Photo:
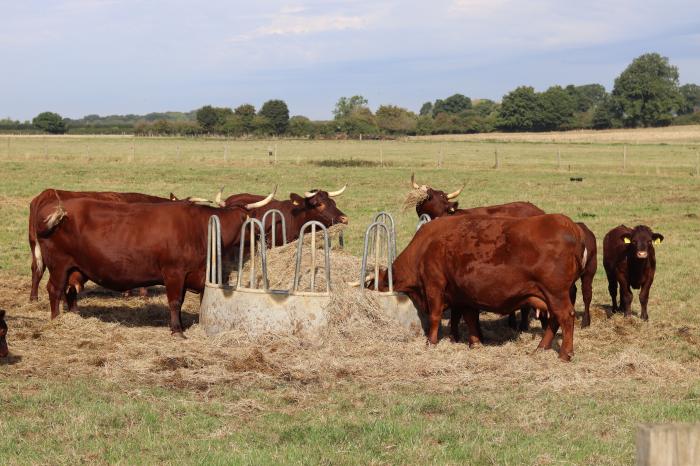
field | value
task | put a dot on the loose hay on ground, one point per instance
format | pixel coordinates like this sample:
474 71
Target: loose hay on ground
108 340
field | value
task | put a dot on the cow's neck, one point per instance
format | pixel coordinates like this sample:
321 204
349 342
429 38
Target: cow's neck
636 267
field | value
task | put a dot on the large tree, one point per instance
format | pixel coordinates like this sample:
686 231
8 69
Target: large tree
454 104
555 109
586 96
396 120
690 94
347 105
50 122
277 112
647 91
519 110
246 113
212 118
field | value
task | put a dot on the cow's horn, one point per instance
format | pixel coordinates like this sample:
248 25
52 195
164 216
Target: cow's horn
309 194
217 199
263 202
456 193
338 192
413 181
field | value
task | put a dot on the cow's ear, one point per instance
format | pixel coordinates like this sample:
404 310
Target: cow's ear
173 197
658 238
296 199
626 239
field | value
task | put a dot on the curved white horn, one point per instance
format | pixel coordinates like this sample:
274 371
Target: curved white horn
263 202
413 181
338 192
217 199
456 193
309 194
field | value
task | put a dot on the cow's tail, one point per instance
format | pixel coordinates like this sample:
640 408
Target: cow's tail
37 256
584 258
53 219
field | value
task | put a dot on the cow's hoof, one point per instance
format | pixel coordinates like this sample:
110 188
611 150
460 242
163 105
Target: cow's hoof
475 345
566 357
179 334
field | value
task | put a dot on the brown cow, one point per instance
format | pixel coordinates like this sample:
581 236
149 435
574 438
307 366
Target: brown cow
121 246
630 260
495 264
3 335
436 203
50 196
315 205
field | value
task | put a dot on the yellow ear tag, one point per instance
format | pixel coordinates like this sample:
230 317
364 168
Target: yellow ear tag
626 240
657 241
295 203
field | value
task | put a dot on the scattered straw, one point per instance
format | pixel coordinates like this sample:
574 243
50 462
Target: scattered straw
415 197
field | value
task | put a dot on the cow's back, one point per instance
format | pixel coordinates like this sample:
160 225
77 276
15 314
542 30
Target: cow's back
511 209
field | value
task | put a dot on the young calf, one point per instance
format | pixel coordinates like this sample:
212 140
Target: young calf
629 259
3 335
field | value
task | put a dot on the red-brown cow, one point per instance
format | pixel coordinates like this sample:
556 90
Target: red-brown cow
630 260
50 196
438 204
314 205
121 246
3 335
494 264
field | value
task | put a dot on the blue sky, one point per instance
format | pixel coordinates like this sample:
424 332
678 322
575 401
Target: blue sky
78 57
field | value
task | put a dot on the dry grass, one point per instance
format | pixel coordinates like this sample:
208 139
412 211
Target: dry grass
667 135
126 341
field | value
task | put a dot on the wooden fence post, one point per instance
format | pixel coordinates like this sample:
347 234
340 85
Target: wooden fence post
495 155
275 153
624 157
381 155
668 444
697 163
558 159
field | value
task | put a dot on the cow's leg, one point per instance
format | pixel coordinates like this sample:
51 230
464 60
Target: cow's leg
436 306
625 295
612 289
471 316
587 292
455 318
572 294
563 314
72 299
525 318
175 290
549 332
56 289
512 321
644 298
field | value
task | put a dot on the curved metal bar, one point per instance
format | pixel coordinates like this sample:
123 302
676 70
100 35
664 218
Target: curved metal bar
422 220
374 228
254 223
382 217
313 224
213 273
273 214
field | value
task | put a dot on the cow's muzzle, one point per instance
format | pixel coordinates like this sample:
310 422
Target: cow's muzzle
642 254
343 219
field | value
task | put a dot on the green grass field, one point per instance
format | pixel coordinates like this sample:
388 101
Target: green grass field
495 405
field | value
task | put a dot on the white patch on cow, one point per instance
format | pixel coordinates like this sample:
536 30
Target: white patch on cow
37 256
55 217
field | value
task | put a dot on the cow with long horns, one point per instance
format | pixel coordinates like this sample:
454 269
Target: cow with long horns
316 205
116 245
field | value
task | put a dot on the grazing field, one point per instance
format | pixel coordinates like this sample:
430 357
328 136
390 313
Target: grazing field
109 384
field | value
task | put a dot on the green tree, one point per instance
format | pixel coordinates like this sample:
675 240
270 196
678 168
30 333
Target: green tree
426 109
647 91
262 126
690 103
50 122
396 120
277 112
586 96
347 105
424 125
300 126
519 110
246 113
234 126
454 104
360 122
484 107
555 109
606 115
212 118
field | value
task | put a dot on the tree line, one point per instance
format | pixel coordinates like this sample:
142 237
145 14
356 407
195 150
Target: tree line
647 93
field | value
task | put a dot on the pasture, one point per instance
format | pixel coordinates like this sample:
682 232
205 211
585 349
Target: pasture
109 384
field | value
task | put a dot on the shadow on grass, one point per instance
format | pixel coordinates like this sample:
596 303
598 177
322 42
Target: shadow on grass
140 314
